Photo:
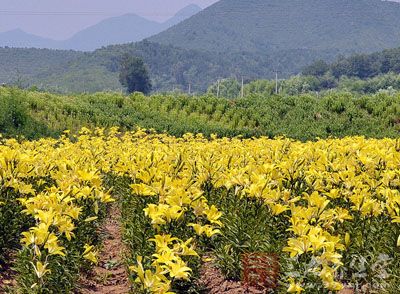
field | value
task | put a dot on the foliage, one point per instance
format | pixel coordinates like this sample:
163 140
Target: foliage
248 226
388 82
302 117
318 69
227 88
134 75
13 113
297 85
15 118
359 65
170 67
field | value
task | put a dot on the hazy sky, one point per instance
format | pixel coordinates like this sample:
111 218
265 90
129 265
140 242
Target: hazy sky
60 19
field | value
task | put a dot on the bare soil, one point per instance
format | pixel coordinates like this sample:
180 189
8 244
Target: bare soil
6 277
110 274
212 279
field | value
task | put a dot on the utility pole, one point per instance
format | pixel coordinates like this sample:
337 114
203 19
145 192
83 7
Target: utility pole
242 89
276 82
190 88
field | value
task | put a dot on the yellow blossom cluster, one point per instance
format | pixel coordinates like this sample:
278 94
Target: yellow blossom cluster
315 186
55 180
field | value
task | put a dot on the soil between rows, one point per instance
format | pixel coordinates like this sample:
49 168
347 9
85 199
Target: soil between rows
110 274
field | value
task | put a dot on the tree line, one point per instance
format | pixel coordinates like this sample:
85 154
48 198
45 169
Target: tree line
358 65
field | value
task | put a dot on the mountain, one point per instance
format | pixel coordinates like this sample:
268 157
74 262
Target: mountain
182 14
249 39
116 30
124 29
265 25
19 38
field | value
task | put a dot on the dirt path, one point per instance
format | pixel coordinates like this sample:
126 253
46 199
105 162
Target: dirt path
6 277
110 275
212 279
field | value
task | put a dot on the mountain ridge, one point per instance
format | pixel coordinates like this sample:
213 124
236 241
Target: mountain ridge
228 39
20 38
118 30
259 25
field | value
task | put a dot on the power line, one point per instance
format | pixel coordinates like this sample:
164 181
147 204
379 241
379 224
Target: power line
73 13
56 13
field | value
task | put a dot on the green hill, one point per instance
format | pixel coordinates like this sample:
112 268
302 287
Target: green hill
27 66
170 67
267 25
241 39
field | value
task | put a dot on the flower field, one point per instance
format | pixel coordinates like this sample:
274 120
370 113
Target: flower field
328 210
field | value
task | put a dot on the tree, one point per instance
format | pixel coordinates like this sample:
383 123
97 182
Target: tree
134 75
317 69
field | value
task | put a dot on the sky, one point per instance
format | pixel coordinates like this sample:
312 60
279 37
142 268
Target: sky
60 19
